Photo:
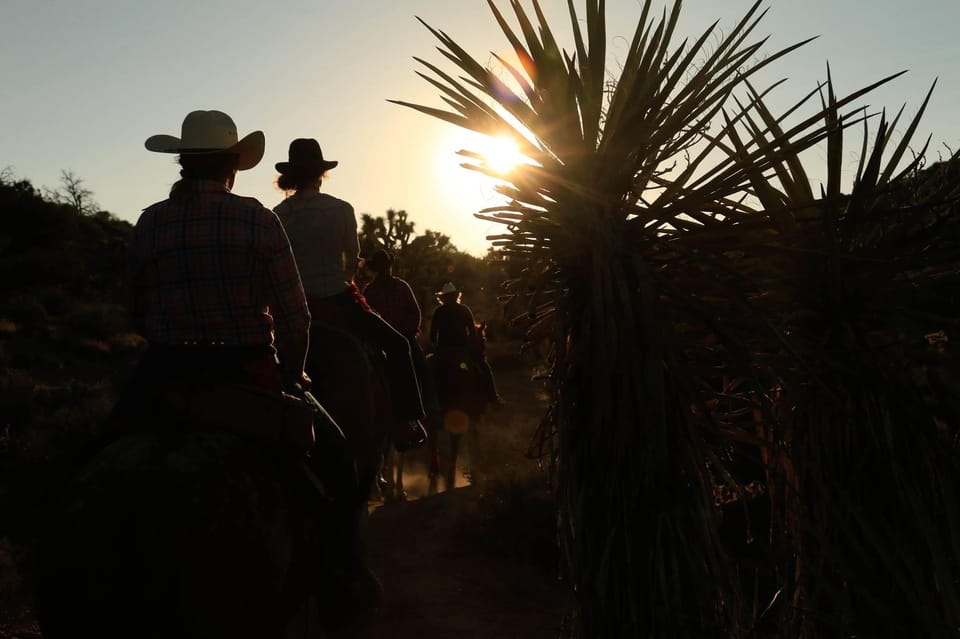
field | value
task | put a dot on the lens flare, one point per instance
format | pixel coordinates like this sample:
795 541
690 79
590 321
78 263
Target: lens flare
456 422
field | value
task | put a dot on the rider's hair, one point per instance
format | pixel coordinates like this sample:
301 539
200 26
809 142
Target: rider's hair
218 167
287 182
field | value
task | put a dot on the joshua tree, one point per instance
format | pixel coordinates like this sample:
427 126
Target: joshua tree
710 311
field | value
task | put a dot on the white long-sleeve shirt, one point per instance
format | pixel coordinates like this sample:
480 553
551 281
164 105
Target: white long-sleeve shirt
323 234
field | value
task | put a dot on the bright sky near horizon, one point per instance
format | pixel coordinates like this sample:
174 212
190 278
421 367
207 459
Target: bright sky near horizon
85 82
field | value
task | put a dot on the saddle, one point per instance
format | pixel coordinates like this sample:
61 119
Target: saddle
283 422
286 425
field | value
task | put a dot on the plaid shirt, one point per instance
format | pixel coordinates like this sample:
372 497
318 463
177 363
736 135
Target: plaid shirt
215 267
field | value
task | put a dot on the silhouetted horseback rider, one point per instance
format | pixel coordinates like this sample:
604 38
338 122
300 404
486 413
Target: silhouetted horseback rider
323 232
393 299
453 327
212 273
218 297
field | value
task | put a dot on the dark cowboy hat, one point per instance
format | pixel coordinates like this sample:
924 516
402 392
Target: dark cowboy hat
305 159
381 260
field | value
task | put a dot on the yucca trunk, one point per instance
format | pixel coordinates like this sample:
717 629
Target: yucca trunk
634 521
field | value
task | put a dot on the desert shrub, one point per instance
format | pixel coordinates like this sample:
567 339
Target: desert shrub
7 328
40 267
15 383
56 301
95 321
127 343
10 578
65 417
23 351
16 395
27 312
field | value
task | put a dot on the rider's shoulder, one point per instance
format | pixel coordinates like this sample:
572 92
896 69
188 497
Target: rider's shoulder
252 202
333 202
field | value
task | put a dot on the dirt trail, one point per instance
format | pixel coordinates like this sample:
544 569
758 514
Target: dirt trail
477 561
439 584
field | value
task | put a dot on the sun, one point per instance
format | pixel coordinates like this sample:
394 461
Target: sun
501 154
468 191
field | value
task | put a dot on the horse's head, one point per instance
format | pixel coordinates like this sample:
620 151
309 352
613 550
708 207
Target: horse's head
479 341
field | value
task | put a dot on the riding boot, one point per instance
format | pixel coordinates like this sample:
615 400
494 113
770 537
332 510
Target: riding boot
407 435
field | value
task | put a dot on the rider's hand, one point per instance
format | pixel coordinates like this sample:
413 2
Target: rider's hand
305 382
296 382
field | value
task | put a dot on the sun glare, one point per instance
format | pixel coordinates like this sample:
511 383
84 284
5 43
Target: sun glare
501 154
469 188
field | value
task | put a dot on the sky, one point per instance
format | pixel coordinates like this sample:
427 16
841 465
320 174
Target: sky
85 82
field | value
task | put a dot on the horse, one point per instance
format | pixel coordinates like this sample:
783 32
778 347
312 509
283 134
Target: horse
349 381
463 399
185 528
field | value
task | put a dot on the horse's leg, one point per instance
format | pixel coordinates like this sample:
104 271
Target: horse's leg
472 471
400 493
454 455
385 479
433 471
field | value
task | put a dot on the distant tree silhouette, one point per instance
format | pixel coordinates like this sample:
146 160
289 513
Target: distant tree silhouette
392 232
72 192
427 261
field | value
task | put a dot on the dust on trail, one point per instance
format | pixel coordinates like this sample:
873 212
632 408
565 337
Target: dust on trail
441 577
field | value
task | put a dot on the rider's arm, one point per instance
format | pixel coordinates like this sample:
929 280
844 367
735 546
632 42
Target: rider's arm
409 310
288 306
351 245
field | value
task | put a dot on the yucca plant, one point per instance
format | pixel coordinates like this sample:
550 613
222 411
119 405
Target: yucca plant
861 468
667 227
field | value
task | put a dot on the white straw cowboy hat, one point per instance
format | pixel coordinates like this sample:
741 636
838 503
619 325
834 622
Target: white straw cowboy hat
210 132
447 288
